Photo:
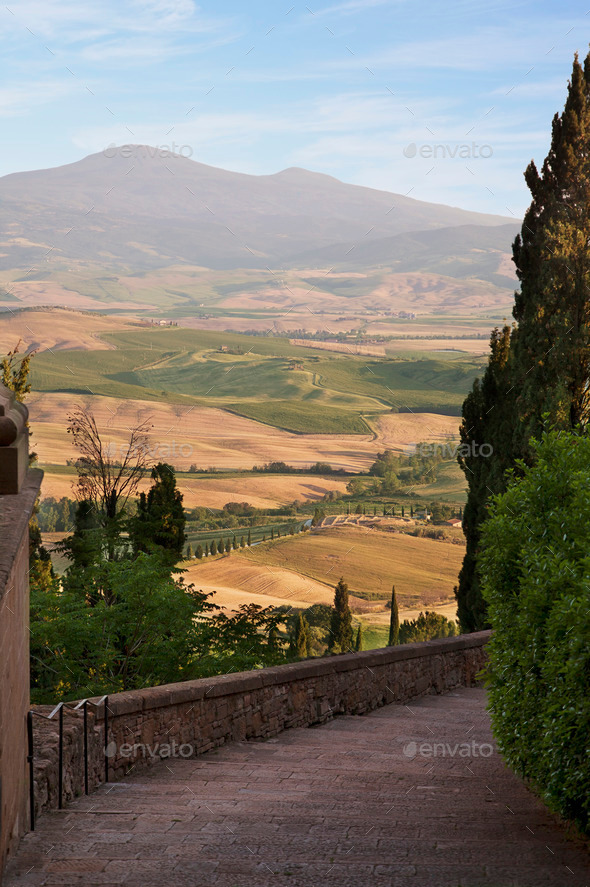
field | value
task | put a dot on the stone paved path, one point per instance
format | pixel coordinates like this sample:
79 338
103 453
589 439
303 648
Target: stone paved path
355 802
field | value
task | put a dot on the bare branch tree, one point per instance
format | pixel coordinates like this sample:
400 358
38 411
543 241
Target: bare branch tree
107 483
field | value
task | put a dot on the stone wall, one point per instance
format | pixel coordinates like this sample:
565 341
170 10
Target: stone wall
18 490
195 716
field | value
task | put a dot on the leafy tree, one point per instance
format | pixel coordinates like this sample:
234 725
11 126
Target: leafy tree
341 622
393 620
160 519
199 552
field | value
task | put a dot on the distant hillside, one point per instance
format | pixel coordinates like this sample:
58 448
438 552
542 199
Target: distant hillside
147 211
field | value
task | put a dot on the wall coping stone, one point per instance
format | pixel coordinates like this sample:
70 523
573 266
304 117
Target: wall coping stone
241 682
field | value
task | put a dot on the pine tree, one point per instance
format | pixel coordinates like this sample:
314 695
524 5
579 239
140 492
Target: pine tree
393 620
199 552
359 639
341 623
213 548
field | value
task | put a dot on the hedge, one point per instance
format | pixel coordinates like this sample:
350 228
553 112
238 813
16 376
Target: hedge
535 569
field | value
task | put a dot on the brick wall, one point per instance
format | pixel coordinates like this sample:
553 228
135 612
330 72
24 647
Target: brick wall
200 715
15 511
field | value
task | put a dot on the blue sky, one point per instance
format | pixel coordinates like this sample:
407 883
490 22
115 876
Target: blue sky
444 102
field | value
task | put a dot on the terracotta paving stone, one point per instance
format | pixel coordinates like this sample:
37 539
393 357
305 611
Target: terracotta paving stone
357 801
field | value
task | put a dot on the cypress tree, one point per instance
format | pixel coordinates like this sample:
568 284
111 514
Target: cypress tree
221 546
206 550
278 534
551 345
199 552
213 546
393 620
189 551
484 454
160 519
540 369
403 511
301 637
358 646
249 537
234 543
242 542
228 545
341 622
272 533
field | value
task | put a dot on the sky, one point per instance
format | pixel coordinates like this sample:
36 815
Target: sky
444 102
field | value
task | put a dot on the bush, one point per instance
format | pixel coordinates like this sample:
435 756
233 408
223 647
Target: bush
535 570
427 627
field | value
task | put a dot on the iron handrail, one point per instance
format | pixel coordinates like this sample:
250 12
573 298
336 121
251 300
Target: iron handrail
83 704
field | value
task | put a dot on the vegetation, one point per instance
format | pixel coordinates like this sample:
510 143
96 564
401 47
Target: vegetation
426 627
341 622
393 621
538 371
536 581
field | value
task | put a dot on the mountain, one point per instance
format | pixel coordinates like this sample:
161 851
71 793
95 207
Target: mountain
144 209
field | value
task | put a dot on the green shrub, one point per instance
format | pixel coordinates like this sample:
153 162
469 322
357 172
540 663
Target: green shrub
535 569
426 627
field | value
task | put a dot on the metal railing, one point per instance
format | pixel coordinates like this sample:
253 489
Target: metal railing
83 704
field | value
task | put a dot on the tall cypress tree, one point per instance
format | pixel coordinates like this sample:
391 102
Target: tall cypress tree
551 347
358 644
485 453
341 622
393 620
541 369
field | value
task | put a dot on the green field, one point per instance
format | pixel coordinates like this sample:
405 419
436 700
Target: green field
263 378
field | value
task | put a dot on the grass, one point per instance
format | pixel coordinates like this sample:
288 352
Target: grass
266 379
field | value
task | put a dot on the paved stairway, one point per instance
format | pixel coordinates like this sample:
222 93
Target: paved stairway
355 802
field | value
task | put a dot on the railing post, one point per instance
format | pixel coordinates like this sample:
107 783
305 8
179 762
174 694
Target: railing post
30 760
60 771
106 738
85 746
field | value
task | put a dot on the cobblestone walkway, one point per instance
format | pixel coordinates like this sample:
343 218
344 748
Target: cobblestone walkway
360 801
